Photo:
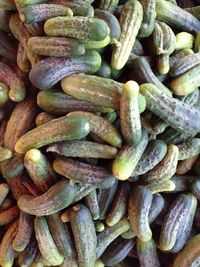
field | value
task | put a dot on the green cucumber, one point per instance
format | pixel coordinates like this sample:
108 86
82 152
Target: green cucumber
187 82
100 126
63 128
58 197
109 234
109 5
144 74
137 48
42 12
161 186
129 114
55 46
46 243
166 168
39 169
130 21
147 253
153 154
174 225
118 205
105 70
179 115
84 173
149 15
13 167
176 16
49 71
84 235
128 158
138 209
92 204
81 28
117 251
184 40
189 148
89 44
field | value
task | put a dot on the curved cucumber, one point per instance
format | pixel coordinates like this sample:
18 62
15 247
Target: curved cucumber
63 128
81 28
49 71
83 172
179 115
58 197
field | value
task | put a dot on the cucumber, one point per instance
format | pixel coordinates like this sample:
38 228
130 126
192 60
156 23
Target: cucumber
188 81
166 168
8 49
9 215
144 74
84 235
161 186
7 5
179 55
38 261
130 21
58 197
4 190
197 44
109 234
179 115
55 46
81 28
195 188
39 170
118 205
7 253
189 148
105 199
84 173
147 253
43 118
62 238
89 44
117 251
100 126
105 70
22 59
100 91
186 165
24 232
82 191
4 91
4 20
46 243
138 209
49 71
79 8
27 256
42 12
176 16
109 5
129 114
184 40
153 154
92 204
13 167
85 149
149 15
178 222
194 11
189 256
58 103
63 128
111 21
128 158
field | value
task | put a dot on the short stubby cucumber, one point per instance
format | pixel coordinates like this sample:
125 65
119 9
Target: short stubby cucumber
81 28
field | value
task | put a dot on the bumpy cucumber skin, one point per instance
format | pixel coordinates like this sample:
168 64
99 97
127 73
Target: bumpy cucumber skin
117 251
129 114
92 203
83 172
55 46
179 115
63 128
85 149
46 243
109 5
84 235
153 154
42 12
175 221
138 209
149 16
81 28
130 21
49 71
58 197
167 12
189 148
166 168
147 253
128 158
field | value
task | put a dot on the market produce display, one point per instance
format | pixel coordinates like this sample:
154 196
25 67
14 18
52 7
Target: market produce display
99 133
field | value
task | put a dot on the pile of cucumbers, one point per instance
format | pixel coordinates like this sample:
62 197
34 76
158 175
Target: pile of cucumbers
99 133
